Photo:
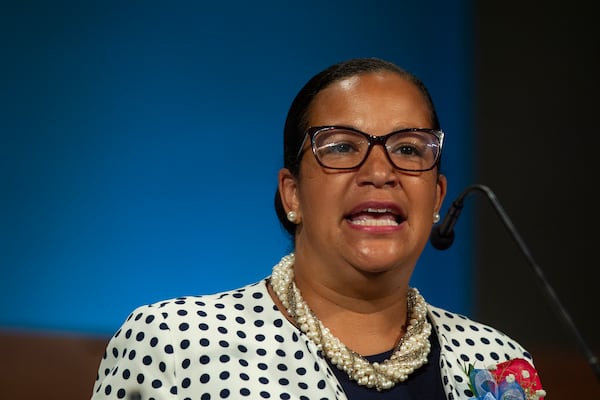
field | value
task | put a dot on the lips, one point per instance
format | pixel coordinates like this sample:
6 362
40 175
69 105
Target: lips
376 215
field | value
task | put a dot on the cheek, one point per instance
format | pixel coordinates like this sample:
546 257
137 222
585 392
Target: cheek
424 195
321 192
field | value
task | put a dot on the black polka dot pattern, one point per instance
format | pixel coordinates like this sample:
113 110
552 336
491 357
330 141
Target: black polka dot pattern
237 345
467 342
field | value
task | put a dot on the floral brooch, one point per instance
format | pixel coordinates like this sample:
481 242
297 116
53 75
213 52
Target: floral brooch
515 379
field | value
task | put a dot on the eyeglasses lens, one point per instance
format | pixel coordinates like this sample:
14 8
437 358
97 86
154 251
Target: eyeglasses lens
411 150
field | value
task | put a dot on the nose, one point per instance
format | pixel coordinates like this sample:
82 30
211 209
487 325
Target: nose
377 170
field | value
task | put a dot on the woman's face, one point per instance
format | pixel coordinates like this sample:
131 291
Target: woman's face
337 208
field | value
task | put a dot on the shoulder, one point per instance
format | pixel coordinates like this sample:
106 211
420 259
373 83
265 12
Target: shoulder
255 290
465 342
171 321
447 321
254 294
485 342
177 315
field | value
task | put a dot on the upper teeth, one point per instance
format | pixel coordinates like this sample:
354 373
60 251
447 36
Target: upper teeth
378 210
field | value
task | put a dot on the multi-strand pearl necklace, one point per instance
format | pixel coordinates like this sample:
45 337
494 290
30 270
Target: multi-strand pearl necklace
410 353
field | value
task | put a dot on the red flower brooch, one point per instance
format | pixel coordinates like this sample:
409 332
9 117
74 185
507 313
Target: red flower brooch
515 379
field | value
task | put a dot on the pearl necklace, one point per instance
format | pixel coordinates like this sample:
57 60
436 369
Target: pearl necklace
410 353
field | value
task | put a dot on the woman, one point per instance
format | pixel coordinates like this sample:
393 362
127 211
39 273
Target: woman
359 192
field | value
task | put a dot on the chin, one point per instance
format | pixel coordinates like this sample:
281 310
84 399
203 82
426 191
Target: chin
377 261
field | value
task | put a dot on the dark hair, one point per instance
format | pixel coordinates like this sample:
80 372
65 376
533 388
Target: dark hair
296 122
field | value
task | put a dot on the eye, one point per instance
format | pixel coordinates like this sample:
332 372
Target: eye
338 148
408 145
407 149
339 142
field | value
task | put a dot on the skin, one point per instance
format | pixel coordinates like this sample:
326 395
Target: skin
355 278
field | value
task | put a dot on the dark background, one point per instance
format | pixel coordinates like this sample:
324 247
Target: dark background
536 104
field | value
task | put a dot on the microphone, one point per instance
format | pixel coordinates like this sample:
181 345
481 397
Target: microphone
442 237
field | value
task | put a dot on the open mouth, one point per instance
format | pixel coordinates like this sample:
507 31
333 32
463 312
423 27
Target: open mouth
375 217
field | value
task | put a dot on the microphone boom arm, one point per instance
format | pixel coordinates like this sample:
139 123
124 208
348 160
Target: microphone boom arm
539 273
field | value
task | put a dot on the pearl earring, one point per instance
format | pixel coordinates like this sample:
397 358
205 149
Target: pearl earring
436 217
291 216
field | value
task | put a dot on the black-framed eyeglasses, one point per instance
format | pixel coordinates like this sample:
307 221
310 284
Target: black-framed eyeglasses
339 147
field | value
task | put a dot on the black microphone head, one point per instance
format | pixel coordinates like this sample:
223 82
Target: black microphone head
439 241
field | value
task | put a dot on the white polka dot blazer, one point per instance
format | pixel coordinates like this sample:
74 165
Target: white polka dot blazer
238 345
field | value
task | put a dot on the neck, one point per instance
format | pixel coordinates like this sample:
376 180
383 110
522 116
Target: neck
410 352
366 324
352 288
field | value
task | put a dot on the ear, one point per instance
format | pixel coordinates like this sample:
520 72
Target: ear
442 185
288 190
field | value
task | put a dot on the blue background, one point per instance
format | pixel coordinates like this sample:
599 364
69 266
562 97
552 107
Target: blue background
140 143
